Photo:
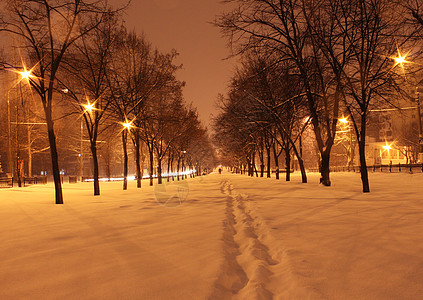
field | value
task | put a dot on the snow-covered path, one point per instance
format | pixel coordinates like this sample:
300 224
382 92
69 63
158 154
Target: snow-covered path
233 237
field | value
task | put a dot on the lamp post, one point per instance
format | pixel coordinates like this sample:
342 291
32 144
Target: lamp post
183 164
89 107
127 125
25 75
345 122
387 147
9 130
12 168
419 121
18 158
81 153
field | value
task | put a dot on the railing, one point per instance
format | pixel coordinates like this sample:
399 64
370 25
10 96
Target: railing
6 182
280 171
10 182
389 168
397 168
73 179
34 180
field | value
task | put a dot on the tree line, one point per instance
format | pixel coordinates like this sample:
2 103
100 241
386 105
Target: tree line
306 63
81 54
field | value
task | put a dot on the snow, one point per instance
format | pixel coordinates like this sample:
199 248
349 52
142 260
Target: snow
216 237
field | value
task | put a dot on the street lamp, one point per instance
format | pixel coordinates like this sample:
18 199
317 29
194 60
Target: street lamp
346 128
89 107
9 129
419 121
387 147
343 120
127 125
25 74
400 60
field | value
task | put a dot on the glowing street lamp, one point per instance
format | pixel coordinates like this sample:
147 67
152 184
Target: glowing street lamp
89 107
25 74
347 129
343 120
127 125
400 60
386 147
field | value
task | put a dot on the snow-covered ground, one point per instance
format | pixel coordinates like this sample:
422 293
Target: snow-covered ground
216 237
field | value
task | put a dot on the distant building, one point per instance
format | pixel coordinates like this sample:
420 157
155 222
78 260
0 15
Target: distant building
392 135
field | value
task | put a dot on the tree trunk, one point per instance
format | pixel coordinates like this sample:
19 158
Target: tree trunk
253 161
138 160
362 152
275 155
151 165
300 162
178 167
268 162
171 168
183 169
249 166
29 153
125 160
95 168
288 164
324 168
159 170
169 161
108 172
54 160
261 157
352 151
302 170
301 165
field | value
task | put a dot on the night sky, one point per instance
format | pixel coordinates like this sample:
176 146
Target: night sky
185 26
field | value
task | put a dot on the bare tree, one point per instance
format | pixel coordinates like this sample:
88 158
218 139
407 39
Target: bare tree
269 98
280 28
126 81
161 93
360 40
46 30
87 65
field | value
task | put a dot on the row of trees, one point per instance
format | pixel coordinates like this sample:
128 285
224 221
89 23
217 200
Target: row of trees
80 53
310 61
259 117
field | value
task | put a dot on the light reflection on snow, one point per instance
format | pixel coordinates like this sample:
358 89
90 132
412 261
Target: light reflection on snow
164 175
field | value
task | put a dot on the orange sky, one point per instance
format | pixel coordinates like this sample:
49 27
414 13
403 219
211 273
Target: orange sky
184 26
